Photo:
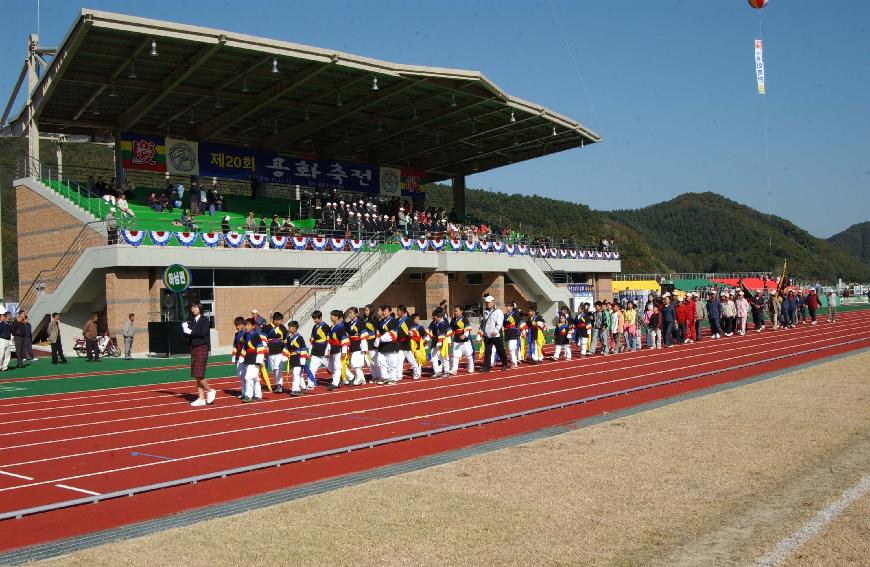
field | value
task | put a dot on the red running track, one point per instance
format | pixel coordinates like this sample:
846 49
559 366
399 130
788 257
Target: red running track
58 447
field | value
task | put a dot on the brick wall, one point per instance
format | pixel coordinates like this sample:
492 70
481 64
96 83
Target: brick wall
411 293
230 302
437 289
131 290
45 232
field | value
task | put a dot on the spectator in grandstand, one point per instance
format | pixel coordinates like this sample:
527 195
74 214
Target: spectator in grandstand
263 226
187 221
250 222
194 199
165 203
180 192
124 207
203 200
225 225
154 203
92 185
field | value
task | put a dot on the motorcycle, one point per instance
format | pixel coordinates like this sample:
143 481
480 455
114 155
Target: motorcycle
106 347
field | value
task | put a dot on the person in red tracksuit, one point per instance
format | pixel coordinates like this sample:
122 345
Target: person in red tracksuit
812 302
682 318
690 318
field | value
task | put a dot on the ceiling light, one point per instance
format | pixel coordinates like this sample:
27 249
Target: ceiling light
338 102
374 83
217 102
554 129
132 73
245 84
274 64
153 47
452 100
191 121
513 118
476 166
112 91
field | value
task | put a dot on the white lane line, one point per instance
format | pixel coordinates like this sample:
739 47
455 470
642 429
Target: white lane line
584 374
695 350
12 474
811 529
310 436
91 492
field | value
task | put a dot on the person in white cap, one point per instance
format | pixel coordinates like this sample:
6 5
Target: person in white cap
492 325
700 314
258 319
742 313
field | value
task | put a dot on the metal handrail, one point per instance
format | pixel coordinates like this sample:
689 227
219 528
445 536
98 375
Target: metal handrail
63 265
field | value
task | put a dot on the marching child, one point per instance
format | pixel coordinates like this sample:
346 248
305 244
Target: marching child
238 356
339 346
461 333
581 324
276 336
388 348
440 335
254 352
403 338
560 337
297 355
537 325
512 333
357 333
319 347
418 337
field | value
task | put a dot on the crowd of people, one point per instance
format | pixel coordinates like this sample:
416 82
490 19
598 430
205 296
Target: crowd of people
18 332
384 340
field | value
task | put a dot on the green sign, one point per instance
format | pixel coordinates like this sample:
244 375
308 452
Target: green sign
176 278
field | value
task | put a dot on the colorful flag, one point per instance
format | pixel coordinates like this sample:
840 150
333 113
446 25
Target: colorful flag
143 152
759 66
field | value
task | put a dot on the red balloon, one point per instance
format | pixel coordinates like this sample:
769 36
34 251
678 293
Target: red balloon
758 4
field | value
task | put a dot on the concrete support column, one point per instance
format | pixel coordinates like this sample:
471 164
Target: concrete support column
32 127
496 288
129 290
119 160
459 196
437 290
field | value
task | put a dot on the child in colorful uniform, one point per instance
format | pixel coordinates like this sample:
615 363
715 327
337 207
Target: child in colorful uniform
388 348
561 338
297 355
461 332
319 347
537 325
512 319
440 335
339 346
276 337
403 338
582 329
238 355
418 338
357 334
370 318
254 352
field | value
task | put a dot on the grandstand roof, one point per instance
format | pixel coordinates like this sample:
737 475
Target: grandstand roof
211 85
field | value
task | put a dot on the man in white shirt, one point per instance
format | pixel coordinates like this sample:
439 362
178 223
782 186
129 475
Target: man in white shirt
492 325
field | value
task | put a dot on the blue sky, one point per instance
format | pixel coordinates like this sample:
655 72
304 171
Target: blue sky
669 84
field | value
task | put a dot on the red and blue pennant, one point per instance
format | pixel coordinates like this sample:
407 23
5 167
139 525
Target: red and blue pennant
133 237
234 239
211 239
160 237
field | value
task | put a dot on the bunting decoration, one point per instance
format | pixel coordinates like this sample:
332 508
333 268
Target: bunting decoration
319 243
533 251
211 239
437 244
278 242
554 253
607 255
355 244
484 245
522 249
510 248
337 244
300 242
406 242
455 245
133 237
372 244
234 239
160 237
422 244
573 254
256 240
498 246
470 245
186 238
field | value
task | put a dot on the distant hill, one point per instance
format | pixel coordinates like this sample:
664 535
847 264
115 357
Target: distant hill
855 240
694 232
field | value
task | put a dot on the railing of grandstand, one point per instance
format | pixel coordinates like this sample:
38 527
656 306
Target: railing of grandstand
89 236
78 194
691 276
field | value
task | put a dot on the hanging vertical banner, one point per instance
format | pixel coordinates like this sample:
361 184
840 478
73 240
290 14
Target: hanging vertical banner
182 157
412 182
391 182
143 152
759 66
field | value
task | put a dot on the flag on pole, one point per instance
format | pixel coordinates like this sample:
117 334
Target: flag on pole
783 280
759 66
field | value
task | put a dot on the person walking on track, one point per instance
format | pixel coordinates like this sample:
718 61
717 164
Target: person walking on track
198 329
493 322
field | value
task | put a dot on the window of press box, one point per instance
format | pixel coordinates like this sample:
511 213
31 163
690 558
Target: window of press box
231 278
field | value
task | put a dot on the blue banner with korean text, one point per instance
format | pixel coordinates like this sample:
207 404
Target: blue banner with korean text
228 162
343 175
